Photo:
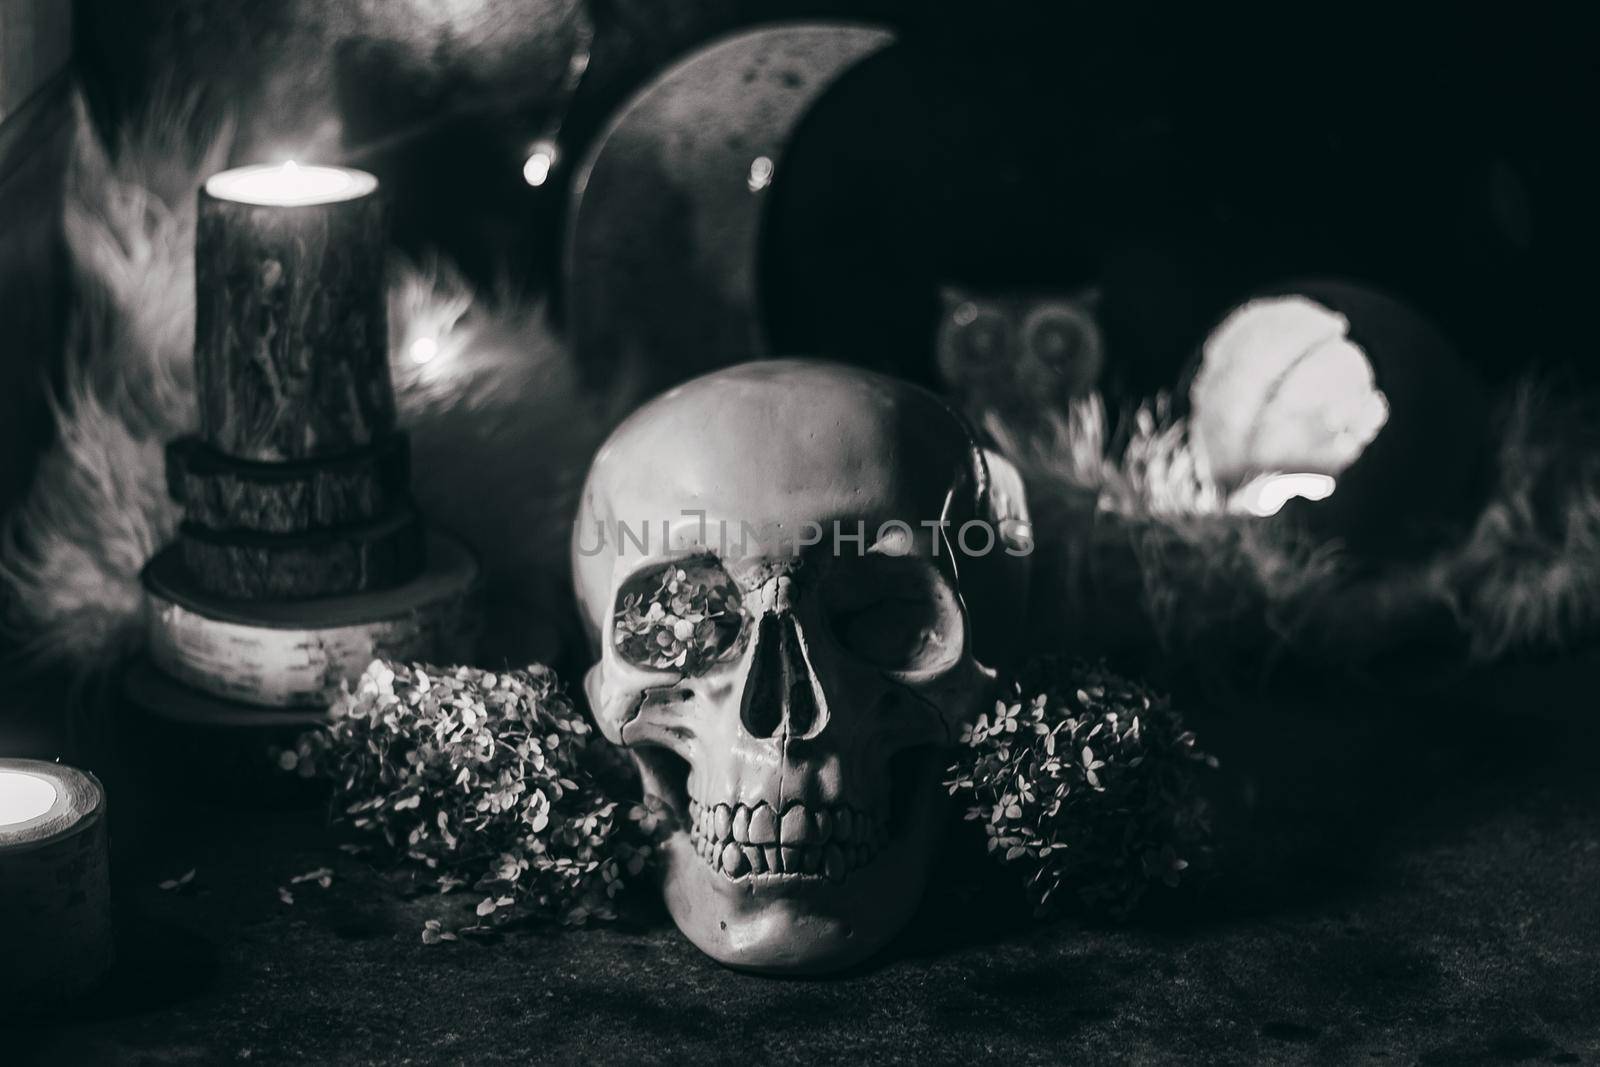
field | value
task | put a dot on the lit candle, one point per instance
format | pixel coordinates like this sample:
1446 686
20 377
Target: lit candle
55 918
291 324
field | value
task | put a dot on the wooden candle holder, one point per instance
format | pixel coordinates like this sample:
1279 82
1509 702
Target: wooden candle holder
219 492
243 565
55 896
294 654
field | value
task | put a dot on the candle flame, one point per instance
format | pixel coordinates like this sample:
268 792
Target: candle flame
290 184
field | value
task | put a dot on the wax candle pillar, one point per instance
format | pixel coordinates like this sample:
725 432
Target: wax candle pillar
297 486
291 327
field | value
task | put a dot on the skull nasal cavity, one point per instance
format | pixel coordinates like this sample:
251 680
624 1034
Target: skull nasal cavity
781 693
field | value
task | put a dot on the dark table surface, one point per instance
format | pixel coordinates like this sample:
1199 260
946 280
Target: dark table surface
1405 877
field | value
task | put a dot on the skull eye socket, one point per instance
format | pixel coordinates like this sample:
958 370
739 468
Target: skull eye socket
897 613
682 616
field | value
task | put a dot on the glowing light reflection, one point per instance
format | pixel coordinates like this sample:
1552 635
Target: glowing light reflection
423 349
1268 494
541 161
761 169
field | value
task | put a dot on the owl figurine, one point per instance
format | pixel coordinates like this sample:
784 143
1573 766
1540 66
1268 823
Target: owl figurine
1018 356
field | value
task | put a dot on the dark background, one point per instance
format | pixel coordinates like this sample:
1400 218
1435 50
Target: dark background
1178 155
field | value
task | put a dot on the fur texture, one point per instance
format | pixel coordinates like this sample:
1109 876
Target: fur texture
1140 550
70 554
1528 574
501 436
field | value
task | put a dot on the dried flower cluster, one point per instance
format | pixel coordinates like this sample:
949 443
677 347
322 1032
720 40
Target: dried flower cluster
1085 781
683 624
487 780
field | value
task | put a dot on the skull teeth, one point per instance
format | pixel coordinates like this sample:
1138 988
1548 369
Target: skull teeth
823 842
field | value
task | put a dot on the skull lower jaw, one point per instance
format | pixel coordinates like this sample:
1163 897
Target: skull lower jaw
804 924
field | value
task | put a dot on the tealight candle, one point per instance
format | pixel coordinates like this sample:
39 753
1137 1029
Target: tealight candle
55 917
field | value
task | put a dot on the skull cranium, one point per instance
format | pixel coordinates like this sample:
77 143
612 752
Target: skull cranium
795 613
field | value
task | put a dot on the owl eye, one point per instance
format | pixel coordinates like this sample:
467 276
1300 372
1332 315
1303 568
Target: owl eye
983 339
1067 343
680 616
1055 344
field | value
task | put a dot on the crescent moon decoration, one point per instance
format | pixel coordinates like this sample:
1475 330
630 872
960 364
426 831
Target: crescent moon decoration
668 206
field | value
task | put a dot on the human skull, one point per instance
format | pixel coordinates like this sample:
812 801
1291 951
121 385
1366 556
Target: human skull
799 577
